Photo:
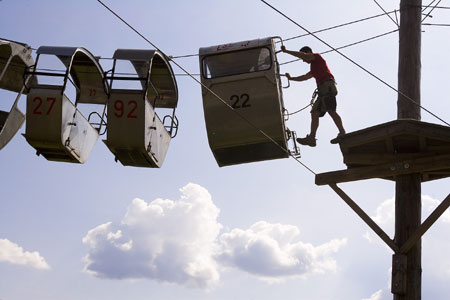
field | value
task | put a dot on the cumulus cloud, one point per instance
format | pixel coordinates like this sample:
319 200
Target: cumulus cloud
269 252
385 293
180 242
385 214
386 210
165 240
429 204
380 295
13 253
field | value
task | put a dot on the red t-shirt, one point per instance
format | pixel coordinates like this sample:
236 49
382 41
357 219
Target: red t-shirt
320 70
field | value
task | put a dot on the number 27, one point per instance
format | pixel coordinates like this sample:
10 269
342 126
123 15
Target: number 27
38 110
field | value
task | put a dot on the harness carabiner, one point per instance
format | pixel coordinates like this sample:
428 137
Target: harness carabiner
314 96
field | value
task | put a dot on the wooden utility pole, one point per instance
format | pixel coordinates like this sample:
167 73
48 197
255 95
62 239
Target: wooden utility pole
407 151
407 268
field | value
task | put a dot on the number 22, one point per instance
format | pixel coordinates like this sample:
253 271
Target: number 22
236 98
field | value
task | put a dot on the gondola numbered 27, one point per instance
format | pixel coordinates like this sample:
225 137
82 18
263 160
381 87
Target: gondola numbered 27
55 126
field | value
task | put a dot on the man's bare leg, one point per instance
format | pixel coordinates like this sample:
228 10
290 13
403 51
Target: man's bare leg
314 123
310 139
337 120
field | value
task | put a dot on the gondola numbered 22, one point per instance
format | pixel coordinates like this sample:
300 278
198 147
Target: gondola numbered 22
252 126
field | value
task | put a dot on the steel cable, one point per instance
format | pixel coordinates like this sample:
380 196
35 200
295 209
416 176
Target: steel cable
212 92
356 64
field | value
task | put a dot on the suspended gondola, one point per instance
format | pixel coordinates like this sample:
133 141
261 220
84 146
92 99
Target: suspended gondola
136 135
15 58
250 126
55 126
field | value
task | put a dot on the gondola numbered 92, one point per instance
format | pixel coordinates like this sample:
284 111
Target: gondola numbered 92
245 75
136 134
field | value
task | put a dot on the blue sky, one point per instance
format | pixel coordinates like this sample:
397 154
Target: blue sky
193 230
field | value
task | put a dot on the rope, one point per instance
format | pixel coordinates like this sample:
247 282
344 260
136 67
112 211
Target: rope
313 98
297 111
357 64
209 90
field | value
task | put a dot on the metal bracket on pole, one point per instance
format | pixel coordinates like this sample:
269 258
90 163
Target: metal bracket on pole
399 265
368 220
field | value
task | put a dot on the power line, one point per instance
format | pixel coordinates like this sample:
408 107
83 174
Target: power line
212 92
435 24
345 46
328 51
396 18
338 26
21 67
428 14
427 6
355 63
396 23
299 36
184 56
442 7
431 3
317 31
310 33
363 41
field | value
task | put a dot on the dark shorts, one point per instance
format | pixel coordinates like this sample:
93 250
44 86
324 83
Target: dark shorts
326 99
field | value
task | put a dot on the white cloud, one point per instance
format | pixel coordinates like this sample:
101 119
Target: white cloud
380 295
385 212
429 204
375 296
13 253
385 215
385 293
385 218
368 237
434 247
269 252
165 240
178 242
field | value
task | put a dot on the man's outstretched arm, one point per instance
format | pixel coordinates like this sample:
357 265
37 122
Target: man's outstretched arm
308 57
299 78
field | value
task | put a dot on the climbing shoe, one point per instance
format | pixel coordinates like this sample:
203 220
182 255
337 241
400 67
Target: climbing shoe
336 139
308 141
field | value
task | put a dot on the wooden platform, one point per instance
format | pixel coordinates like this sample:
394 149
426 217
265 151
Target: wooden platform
391 149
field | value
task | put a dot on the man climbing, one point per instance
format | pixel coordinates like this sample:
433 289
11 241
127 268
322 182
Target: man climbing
327 91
